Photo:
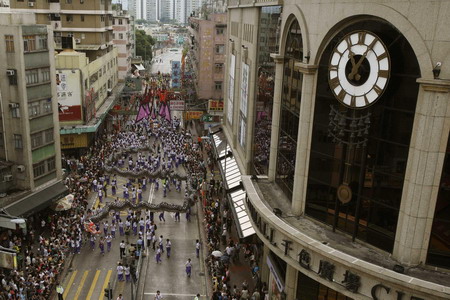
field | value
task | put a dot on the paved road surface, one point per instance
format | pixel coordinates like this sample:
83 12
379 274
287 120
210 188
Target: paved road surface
162 62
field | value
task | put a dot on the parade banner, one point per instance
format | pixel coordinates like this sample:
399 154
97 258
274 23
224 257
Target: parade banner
132 85
176 74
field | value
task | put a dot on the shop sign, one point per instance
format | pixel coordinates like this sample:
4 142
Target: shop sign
215 105
193 115
177 105
8 260
69 141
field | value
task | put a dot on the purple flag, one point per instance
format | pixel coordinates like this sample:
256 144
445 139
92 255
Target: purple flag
147 110
142 113
161 110
167 113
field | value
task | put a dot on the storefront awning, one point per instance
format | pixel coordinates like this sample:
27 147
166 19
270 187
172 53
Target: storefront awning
139 67
38 200
232 176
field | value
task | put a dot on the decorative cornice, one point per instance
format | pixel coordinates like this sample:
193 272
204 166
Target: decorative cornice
434 85
277 58
306 68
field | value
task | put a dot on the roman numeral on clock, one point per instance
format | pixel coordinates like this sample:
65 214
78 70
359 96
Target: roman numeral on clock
334 82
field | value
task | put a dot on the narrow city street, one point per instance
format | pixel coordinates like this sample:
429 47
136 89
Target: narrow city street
162 62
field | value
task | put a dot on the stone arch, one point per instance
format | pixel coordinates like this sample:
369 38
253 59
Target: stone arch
298 15
390 16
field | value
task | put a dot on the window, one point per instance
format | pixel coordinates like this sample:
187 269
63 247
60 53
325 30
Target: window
9 41
82 18
18 141
2 143
47 105
69 18
32 76
49 135
102 18
218 85
45 74
69 1
51 164
36 140
39 169
219 68
120 36
220 49
29 43
15 111
219 30
34 109
120 21
13 77
42 42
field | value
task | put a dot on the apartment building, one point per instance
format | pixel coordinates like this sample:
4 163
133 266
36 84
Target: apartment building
123 39
83 36
87 22
207 55
30 154
342 137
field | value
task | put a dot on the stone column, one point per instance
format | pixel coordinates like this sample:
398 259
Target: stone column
276 111
265 272
423 172
304 136
290 282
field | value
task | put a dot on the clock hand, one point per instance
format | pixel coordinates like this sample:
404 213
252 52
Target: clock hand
351 55
355 69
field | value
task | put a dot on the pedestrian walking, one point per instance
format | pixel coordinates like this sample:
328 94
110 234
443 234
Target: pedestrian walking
59 291
168 247
92 241
121 228
177 216
158 295
188 265
101 245
122 249
158 255
197 297
120 270
127 273
161 217
197 248
120 297
113 230
108 242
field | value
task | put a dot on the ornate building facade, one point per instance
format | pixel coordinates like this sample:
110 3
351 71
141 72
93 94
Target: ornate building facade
338 115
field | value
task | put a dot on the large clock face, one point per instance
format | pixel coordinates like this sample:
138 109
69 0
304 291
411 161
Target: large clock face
359 69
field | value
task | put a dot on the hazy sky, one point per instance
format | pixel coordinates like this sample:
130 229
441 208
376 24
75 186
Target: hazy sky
124 3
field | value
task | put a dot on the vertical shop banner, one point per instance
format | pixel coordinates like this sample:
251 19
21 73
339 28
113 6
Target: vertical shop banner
176 74
68 92
244 89
231 89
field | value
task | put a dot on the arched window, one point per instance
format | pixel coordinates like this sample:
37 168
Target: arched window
358 156
290 110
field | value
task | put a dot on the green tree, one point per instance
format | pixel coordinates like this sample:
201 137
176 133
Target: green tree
144 45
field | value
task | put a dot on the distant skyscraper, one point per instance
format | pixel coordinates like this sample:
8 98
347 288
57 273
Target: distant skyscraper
152 11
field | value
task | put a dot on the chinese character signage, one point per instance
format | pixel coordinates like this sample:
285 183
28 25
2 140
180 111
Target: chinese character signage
177 105
68 92
231 90
193 115
215 106
244 89
176 72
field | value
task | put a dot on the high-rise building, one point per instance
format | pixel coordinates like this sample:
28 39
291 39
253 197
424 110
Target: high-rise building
30 154
152 11
337 113
207 55
123 33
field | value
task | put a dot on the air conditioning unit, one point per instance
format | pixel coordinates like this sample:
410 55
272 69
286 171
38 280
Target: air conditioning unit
21 168
31 4
7 178
10 72
14 105
77 41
